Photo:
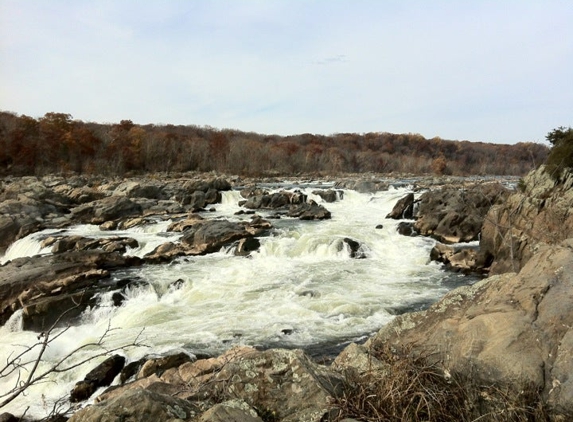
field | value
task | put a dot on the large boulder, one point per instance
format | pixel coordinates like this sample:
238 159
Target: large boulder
231 411
457 258
139 405
309 211
101 376
329 195
109 208
538 213
140 189
22 216
283 384
513 331
210 235
201 236
274 200
404 208
61 244
56 288
453 215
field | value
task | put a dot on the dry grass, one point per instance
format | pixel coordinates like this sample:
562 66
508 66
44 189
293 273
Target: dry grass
415 390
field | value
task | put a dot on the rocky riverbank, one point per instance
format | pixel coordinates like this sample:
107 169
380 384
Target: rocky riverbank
508 334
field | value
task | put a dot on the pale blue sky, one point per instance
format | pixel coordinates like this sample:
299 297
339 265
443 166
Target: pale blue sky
495 71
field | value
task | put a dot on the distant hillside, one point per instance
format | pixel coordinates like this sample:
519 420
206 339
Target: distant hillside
55 143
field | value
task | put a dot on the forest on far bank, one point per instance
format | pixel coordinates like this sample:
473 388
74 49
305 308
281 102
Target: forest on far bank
55 143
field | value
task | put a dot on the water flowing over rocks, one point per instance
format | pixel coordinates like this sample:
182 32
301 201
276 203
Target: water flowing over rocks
46 287
511 330
404 208
201 236
329 195
101 376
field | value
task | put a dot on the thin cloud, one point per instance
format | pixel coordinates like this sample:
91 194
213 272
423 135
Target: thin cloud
485 71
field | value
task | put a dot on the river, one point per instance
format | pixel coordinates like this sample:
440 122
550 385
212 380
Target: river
300 290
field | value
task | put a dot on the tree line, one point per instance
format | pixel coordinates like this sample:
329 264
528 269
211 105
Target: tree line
56 143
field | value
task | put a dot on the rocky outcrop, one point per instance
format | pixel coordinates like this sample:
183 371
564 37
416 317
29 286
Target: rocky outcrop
453 215
201 236
138 405
309 211
363 185
512 330
279 384
329 195
106 209
61 244
274 200
540 212
101 376
459 258
404 208
57 288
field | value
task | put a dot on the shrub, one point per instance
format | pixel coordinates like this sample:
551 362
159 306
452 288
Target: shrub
561 154
414 389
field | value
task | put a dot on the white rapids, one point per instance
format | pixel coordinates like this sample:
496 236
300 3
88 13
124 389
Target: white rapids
301 289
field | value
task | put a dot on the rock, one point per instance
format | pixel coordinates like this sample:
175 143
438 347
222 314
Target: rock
8 417
101 376
355 248
328 195
9 228
406 228
139 189
220 184
541 214
404 208
22 216
131 370
513 331
355 358
231 411
379 226
452 215
79 243
464 259
197 201
283 384
275 200
47 286
79 194
246 246
210 235
139 405
110 208
253 191
309 211
213 196
165 253
159 365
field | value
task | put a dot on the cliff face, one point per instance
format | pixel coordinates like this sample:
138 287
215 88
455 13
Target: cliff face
512 329
541 212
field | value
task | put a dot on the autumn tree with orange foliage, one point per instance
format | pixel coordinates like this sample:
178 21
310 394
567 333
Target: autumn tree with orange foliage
56 143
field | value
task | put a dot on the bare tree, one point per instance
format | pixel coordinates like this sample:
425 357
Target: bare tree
26 364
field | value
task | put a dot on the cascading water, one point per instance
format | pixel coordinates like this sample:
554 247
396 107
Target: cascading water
301 289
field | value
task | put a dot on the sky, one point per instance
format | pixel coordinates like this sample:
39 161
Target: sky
493 71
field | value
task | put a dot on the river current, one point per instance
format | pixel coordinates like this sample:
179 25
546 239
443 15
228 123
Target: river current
301 289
